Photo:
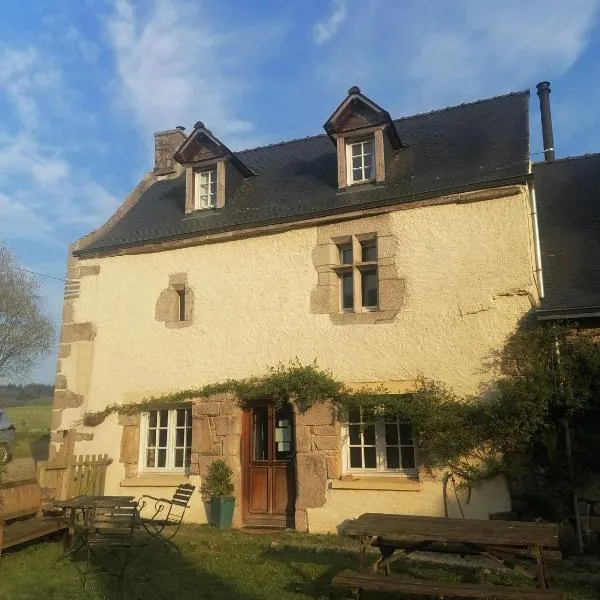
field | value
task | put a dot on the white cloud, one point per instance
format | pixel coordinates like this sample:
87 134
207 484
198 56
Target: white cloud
326 29
175 68
427 55
24 74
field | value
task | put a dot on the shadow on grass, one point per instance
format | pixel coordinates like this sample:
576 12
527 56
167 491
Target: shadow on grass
157 573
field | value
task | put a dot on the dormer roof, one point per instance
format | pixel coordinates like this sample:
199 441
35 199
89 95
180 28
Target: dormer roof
203 147
358 112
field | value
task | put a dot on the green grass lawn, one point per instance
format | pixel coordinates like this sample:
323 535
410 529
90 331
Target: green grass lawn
32 423
222 565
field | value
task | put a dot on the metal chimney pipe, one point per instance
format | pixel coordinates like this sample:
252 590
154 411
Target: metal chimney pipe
543 89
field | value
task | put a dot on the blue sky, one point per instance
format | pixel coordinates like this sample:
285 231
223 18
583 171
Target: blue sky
85 83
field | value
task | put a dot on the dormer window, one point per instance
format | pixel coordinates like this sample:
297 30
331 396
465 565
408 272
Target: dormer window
212 172
205 188
361 160
365 137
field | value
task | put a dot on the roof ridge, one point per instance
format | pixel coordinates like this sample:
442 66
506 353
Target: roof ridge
567 158
463 104
437 110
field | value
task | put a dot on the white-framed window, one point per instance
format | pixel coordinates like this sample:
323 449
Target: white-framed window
166 439
360 158
205 189
384 446
357 270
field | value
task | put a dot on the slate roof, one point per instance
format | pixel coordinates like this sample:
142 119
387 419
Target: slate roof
471 146
568 203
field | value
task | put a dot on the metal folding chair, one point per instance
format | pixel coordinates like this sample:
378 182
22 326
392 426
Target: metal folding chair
108 535
167 515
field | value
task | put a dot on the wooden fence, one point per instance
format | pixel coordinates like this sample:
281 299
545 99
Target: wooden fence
73 476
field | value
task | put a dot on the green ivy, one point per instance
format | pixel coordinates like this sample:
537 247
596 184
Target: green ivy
513 429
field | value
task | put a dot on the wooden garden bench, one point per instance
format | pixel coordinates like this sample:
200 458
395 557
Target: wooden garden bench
503 541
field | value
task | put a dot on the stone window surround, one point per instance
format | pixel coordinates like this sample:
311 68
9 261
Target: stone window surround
167 307
190 181
325 298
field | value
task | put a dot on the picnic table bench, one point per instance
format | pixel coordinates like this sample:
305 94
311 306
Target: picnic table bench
502 541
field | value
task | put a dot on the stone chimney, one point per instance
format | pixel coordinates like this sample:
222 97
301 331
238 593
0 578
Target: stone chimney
165 145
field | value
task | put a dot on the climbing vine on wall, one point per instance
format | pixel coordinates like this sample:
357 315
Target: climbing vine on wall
473 437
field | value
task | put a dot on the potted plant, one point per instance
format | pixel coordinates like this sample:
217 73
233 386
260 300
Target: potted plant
217 489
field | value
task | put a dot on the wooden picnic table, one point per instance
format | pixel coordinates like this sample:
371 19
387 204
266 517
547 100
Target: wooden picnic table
503 541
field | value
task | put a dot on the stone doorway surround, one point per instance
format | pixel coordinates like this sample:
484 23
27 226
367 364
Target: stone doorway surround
217 434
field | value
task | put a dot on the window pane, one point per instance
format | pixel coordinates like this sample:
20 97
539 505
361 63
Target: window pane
180 437
369 287
152 418
357 162
179 457
150 458
162 438
408 457
355 458
406 435
163 417
354 435
181 412
356 149
188 456
347 291
369 435
346 255
151 438
260 418
370 458
369 252
368 160
392 458
354 415
357 175
368 173
368 147
162 458
391 434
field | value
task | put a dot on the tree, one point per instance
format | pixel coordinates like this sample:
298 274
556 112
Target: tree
26 332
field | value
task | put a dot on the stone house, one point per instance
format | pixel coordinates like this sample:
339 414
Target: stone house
384 249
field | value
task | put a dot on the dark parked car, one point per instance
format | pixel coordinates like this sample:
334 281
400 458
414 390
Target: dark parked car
7 437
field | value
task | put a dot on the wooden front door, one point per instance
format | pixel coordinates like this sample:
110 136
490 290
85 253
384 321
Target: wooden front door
269 479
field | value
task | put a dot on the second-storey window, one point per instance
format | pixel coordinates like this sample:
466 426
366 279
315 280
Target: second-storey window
361 161
386 445
205 189
357 272
166 439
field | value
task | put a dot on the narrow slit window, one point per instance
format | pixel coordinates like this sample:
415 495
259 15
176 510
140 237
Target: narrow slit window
181 295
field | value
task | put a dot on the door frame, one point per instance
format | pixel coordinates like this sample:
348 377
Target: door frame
246 452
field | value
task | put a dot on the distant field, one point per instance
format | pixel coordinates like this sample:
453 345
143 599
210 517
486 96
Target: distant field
32 423
34 418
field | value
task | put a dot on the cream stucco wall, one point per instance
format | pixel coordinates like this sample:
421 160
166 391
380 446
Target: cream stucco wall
469 273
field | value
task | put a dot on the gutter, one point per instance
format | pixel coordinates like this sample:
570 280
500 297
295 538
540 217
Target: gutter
536 235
